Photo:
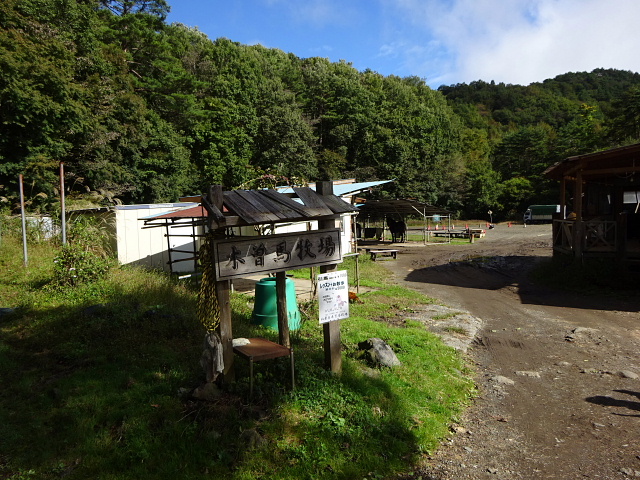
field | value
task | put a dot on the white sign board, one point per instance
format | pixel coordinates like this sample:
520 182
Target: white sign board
333 296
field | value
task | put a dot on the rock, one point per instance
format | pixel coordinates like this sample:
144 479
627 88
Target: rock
524 373
207 392
630 472
251 439
379 353
629 374
502 380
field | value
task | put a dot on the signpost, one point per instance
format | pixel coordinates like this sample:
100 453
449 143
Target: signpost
238 257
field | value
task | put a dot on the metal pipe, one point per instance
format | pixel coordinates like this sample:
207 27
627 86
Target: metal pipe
63 216
24 222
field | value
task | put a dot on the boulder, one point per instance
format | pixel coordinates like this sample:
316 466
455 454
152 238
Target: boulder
379 353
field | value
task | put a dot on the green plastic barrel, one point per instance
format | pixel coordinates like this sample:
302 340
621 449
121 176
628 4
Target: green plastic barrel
265 308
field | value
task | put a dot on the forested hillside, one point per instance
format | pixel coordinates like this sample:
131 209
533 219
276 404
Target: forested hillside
140 110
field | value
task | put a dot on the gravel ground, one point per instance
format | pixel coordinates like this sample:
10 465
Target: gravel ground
557 373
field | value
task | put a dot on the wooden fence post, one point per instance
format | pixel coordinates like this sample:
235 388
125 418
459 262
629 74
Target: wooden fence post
331 330
223 293
283 315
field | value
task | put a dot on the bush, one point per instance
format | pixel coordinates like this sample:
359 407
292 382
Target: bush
76 265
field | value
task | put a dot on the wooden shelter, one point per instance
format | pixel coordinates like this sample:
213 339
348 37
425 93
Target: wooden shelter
223 209
599 205
380 209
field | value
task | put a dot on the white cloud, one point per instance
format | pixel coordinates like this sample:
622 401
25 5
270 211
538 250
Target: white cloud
519 41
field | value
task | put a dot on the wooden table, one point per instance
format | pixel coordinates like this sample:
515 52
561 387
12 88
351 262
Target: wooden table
259 349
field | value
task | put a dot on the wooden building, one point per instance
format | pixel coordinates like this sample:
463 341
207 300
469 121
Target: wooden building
600 205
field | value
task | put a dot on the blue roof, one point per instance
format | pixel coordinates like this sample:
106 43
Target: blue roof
341 189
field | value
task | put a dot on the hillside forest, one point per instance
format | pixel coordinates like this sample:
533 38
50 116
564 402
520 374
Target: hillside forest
143 111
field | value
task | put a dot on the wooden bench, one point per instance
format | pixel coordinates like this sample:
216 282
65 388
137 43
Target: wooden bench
384 253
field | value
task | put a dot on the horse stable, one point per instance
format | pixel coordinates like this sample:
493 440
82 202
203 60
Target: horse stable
599 205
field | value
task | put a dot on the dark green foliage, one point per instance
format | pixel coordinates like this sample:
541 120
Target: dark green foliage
522 130
75 265
142 111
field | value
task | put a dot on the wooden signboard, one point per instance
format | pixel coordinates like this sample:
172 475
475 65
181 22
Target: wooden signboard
276 253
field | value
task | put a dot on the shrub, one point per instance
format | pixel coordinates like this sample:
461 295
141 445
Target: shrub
75 265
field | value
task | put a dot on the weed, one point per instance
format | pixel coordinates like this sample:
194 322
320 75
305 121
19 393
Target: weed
99 376
458 330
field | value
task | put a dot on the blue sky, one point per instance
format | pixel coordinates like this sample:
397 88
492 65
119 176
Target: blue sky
442 41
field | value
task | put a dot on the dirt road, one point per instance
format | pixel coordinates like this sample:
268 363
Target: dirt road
558 374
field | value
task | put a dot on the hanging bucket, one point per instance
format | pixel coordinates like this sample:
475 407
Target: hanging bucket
265 308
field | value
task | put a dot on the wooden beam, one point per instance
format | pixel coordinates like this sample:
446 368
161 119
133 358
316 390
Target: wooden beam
225 330
612 171
331 330
281 303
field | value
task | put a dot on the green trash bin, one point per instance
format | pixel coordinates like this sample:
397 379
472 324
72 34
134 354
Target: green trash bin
265 308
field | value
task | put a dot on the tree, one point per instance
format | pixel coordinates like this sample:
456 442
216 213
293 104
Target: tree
157 8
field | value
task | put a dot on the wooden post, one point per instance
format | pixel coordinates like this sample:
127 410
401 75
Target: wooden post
223 293
281 303
331 330
577 226
223 289
563 198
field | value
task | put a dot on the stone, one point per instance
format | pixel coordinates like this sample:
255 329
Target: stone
629 374
524 373
207 392
251 439
379 353
502 380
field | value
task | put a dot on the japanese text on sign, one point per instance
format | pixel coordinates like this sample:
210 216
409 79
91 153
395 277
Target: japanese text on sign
333 296
272 253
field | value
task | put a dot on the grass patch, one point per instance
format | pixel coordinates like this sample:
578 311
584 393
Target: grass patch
458 330
97 380
445 316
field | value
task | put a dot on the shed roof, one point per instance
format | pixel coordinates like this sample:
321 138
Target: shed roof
607 163
257 207
406 206
341 189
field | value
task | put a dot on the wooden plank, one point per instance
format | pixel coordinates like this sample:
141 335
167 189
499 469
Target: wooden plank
243 256
225 329
293 210
288 202
246 210
330 330
261 203
312 201
337 205
281 304
216 218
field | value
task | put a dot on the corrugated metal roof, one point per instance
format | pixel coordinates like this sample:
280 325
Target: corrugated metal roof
341 189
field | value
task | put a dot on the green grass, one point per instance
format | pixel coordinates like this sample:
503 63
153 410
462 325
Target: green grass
103 392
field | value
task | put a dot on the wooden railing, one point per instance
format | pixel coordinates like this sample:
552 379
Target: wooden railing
595 236
563 235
